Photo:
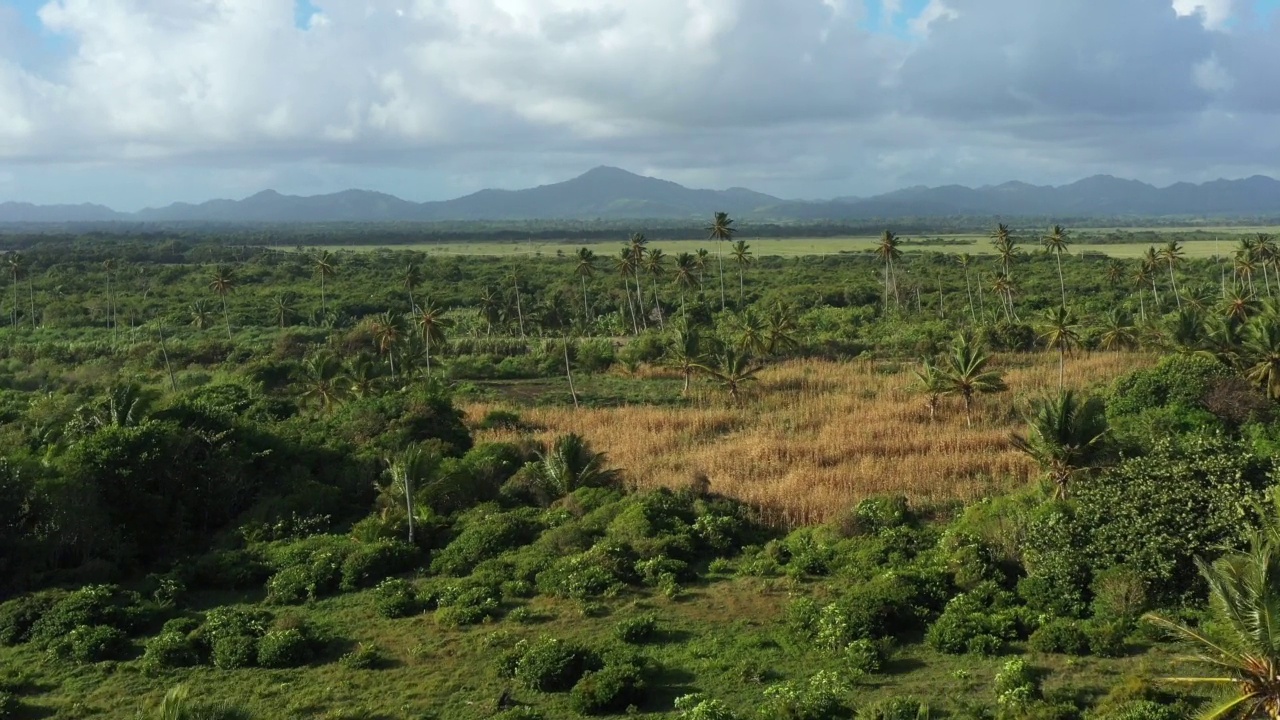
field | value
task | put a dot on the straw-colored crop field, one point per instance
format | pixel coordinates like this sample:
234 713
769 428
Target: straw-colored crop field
815 437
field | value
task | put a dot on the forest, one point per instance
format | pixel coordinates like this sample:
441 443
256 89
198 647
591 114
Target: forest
267 477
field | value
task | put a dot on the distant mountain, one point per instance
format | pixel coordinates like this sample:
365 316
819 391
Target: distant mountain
607 193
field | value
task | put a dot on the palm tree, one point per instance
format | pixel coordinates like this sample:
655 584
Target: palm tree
109 267
282 308
684 353
1172 254
1245 266
388 330
965 260
409 470
1240 641
364 377
322 378
700 260
1062 333
720 230
1065 437
1267 254
1006 246
1151 262
655 265
159 324
1115 272
887 250
965 373
432 325
571 464
741 252
1223 339
410 281
515 283
585 268
637 245
200 315
1056 243
751 331
1117 331
325 265
686 266
1002 285
490 308
732 369
624 264
779 329
1237 306
1262 348
17 270
930 380
222 283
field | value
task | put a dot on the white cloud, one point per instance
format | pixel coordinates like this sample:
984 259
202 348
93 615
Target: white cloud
1214 13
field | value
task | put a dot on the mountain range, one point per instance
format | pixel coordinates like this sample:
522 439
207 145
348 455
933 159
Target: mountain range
606 193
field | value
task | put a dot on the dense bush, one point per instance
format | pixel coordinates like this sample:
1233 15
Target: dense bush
609 690
368 564
234 651
636 629
603 568
284 649
364 657
19 616
90 606
466 604
977 621
821 697
396 598
90 644
170 650
554 665
890 709
485 537
1060 635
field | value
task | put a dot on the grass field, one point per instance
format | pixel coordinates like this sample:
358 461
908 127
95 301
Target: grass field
815 437
976 244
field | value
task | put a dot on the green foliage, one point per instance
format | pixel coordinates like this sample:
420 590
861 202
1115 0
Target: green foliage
978 621
284 649
19 616
697 707
366 656
484 537
1178 380
636 628
234 651
553 665
596 572
396 598
1017 686
9 705
90 644
609 690
821 697
92 606
895 708
1141 710
876 514
369 564
170 650
862 657
1060 635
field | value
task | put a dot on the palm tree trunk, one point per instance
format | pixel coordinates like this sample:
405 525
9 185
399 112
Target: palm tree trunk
886 287
644 320
164 352
1062 365
1061 283
568 372
968 410
631 306
427 342
720 263
968 292
942 310
684 314
657 304
1266 278
586 306
408 500
31 296
741 292
322 307
684 392
1173 282
519 309
391 358
982 302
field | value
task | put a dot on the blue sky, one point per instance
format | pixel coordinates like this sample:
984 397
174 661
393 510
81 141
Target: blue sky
789 98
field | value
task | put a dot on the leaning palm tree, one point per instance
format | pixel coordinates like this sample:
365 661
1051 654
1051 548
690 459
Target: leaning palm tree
410 281
1172 254
732 370
514 277
965 373
624 265
1056 243
1066 437
1262 348
1241 643
1118 332
887 250
322 376
965 260
741 252
409 470
222 283
325 265
721 230
585 268
432 325
1061 332
388 330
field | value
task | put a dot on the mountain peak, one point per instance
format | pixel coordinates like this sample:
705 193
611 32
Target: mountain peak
604 172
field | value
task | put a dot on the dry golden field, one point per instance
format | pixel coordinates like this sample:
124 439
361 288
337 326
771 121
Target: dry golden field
815 437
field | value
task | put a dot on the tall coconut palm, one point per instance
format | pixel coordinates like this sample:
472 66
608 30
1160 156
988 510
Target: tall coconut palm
1118 332
388 330
490 308
1245 265
1224 339
1056 243
585 268
322 376
1267 254
1115 272
514 277
732 370
965 373
965 261
1151 262
624 264
109 267
325 266
1006 247
409 470
1240 644
432 326
1172 254
1060 331
1066 437
410 281
888 252
701 258
282 308
741 252
721 230
638 245
655 265
17 267
222 283
685 278
1262 350
1002 285
1141 276
1183 333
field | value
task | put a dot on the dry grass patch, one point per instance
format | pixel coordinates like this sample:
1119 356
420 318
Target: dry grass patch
815 437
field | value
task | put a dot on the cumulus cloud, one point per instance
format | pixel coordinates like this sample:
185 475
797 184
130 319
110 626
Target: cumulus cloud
801 98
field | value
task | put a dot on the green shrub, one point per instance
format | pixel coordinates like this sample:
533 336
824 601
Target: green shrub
696 707
169 650
636 629
90 606
607 691
231 621
20 615
984 613
1017 685
1108 638
9 705
229 570
364 657
1119 593
183 625
396 598
230 652
1141 710
890 709
484 538
90 644
284 649
1181 380
862 657
598 571
553 665
371 563
1060 635
501 420
821 697
875 514
652 570
466 605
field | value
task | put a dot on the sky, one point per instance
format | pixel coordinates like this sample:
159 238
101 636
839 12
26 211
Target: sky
134 103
